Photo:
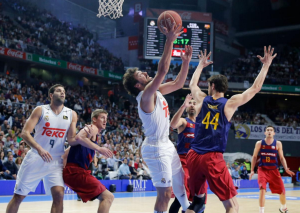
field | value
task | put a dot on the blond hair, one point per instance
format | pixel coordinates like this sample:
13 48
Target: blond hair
97 112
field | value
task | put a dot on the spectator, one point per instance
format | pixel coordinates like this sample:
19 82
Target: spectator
229 169
124 172
11 166
21 150
18 162
247 163
244 174
133 171
111 163
235 173
4 172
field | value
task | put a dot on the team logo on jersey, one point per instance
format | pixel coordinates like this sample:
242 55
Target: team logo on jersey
190 125
65 117
46 118
53 132
163 180
273 147
242 131
189 135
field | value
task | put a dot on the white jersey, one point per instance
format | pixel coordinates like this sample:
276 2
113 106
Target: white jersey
51 130
157 123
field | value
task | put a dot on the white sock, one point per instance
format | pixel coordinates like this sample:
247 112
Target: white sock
261 209
179 190
160 212
283 207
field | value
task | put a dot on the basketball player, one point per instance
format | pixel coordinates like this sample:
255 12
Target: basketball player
205 159
53 124
76 173
186 131
268 149
157 150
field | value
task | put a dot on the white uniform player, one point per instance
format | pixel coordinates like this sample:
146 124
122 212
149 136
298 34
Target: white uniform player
50 132
158 151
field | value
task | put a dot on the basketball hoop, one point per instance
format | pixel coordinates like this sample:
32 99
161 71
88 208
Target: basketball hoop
111 8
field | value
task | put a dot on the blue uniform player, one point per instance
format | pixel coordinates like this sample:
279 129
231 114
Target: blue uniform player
205 159
78 158
186 134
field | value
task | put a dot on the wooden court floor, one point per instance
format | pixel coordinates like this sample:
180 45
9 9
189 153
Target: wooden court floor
248 202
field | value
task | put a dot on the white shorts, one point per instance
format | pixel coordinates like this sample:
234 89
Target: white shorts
162 160
33 169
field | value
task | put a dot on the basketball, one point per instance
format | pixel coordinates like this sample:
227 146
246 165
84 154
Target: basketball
167 18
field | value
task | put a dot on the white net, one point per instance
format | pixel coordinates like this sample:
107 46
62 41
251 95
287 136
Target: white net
111 8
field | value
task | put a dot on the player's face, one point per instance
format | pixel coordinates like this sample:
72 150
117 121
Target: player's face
269 133
101 121
191 109
59 95
143 78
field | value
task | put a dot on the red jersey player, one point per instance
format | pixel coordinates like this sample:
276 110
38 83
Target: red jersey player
268 149
205 159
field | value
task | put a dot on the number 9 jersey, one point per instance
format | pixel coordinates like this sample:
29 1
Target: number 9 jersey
212 127
51 130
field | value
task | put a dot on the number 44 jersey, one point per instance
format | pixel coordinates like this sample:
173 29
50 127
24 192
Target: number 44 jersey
51 130
156 123
212 127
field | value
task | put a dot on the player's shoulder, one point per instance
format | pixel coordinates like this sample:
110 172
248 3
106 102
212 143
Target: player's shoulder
258 142
278 143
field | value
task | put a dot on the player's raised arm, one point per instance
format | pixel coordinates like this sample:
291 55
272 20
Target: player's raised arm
28 128
181 77
177 121
164 62
197 94
237 100
254 157
282 159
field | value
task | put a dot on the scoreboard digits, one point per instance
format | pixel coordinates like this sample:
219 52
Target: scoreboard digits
197 34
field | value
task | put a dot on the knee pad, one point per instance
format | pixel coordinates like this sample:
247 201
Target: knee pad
197 203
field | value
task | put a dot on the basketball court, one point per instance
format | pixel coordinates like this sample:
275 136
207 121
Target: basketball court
143 202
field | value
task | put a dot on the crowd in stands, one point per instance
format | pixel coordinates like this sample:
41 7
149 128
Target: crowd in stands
248 118
285 69
38 31
240 170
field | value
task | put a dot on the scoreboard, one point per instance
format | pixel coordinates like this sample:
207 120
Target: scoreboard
197 34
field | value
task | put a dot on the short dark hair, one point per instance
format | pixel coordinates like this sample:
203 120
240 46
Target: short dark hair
129 81
220 81
270 126
52 89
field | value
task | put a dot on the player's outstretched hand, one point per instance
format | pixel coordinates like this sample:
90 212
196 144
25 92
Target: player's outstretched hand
289 172
45 155
268 56
173 33
106 152
187 100
251 174
203 59
187 56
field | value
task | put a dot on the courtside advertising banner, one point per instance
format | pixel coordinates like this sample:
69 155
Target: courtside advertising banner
282 133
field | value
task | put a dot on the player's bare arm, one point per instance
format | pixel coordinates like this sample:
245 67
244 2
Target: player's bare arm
83 138
72 130
282 159
197 94
28 128
254 157
65 156
237 100
177 122
178 83
148 97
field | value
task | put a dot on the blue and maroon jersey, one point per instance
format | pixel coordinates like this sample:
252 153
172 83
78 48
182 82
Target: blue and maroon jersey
212 127
185 137
82 156
268 155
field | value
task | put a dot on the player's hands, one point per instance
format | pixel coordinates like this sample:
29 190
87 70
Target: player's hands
289 172
187 100
203 59
106 152
251 174
268 57
45 155
15 176
173 33
91 130
187 56
7 171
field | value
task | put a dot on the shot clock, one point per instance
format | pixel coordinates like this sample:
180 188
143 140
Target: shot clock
197 34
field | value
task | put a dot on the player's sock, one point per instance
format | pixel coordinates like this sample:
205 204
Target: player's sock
179 190
160 212
261 209
283 207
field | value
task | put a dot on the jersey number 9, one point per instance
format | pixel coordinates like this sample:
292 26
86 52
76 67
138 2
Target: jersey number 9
214 121
52 143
